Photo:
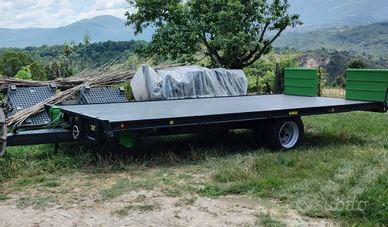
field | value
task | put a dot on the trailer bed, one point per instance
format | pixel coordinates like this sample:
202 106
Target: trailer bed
104 121
192 108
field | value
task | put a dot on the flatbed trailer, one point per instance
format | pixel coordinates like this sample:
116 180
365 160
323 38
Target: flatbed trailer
274 119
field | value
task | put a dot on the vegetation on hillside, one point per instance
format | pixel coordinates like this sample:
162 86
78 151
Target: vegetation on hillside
336 62
47 62
369 41
12 62
261 75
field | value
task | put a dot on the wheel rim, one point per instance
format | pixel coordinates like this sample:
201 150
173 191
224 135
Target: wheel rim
76 132
289 134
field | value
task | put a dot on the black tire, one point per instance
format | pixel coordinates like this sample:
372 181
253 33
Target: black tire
3 133
258 134
284 133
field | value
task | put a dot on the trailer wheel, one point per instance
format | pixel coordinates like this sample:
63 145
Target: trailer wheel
284 133
3 133
76 131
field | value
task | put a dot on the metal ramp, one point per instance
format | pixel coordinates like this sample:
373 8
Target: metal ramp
101 95
22 98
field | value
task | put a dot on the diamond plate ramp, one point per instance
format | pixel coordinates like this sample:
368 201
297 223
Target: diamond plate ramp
101 95
25 97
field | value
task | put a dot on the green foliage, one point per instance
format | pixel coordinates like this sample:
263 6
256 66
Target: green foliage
322 81
339 81
116 189
336 67
268 221
357 64
24 73
232 34
261 75
12 62
128 91
87 38
66 48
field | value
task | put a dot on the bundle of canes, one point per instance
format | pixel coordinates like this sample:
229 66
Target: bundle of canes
62 83
108 76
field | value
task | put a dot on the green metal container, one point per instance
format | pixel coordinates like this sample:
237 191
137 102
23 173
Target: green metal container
366 84
301 81
54 112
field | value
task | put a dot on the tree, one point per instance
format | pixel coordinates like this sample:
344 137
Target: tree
233 34
12 62
66 48
335 67
24 73
87 41
262 74
339 81
357 64
87 38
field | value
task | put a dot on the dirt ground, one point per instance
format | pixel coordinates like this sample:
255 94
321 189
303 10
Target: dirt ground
81 200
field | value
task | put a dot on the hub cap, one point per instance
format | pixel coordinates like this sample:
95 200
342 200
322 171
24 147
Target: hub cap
289 134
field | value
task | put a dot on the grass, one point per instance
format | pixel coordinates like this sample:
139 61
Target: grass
3 198
268 221
37 202
191 201
145 207
120 213
117 189
340 172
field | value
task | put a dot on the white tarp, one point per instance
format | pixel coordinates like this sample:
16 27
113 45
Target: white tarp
187 82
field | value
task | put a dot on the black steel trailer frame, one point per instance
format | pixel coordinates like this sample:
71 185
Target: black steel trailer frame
274 119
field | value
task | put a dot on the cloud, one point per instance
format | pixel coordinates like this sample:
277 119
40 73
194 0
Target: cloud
111 4
32 13
115 8
56 13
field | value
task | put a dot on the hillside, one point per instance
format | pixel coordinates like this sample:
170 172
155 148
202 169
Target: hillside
318 12
365 40
102 28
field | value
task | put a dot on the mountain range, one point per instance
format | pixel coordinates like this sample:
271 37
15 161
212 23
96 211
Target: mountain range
314 13
101 28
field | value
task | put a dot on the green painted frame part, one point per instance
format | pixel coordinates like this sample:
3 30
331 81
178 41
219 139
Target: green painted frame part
366 84
301 81
127 139
53 113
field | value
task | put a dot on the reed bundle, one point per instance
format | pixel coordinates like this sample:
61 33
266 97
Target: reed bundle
108 75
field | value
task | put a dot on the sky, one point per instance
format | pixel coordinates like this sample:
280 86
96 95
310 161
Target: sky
56 13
